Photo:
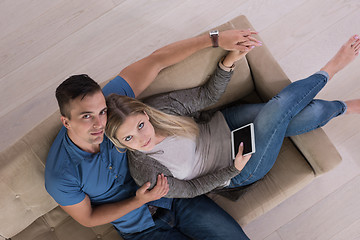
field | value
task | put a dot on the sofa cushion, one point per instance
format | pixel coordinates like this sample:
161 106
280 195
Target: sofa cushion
23 196
57 225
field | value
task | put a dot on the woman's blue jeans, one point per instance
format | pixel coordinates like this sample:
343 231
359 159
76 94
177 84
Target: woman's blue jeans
292 112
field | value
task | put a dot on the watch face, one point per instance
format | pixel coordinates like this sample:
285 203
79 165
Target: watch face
214 32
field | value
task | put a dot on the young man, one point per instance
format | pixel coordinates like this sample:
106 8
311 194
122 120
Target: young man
89 178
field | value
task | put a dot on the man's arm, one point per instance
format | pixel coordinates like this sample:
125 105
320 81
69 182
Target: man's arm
90 216
142 73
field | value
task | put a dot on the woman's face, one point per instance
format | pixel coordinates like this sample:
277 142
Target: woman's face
137 132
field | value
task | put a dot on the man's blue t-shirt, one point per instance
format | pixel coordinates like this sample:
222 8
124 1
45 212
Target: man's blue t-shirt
70 173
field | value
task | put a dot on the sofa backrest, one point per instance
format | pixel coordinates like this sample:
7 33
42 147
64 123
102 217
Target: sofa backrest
23 196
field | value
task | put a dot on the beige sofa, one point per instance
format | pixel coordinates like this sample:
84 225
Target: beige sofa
27 212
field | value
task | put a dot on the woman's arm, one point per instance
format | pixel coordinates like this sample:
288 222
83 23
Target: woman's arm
189 101
146 169
201 185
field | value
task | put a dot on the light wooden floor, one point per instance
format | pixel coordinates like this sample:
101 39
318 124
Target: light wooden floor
42 42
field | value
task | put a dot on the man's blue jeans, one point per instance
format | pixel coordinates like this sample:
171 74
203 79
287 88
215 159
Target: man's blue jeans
292 112
191 218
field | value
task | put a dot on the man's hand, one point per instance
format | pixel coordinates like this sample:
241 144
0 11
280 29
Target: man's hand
161 189
240 40
240 161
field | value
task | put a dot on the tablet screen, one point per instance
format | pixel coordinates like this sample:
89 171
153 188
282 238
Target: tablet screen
245 135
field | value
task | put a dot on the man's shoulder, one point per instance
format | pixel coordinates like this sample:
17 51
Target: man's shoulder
58 148
60 173
119 86
58 158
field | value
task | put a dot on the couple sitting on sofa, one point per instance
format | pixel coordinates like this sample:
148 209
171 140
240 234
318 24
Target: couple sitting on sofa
88 174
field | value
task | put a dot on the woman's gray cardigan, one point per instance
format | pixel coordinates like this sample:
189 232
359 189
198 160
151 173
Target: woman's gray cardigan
188 102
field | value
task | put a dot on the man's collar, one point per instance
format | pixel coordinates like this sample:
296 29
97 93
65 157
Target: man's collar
77 154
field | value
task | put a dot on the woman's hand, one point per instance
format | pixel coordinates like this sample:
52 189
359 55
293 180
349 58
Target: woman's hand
161 189
234 56
238 40
240 160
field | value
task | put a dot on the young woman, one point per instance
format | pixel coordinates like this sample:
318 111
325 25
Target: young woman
163 138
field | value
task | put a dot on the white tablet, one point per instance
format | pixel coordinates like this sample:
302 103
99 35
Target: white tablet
243 134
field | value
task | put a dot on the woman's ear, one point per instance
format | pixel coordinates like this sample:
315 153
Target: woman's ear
147 115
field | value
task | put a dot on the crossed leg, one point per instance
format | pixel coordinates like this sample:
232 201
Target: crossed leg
291 112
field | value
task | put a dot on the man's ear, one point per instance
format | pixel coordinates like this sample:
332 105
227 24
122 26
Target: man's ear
65 122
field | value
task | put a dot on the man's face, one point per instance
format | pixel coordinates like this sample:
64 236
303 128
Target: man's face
88 120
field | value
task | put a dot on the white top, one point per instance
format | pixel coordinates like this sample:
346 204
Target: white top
177 154
188 158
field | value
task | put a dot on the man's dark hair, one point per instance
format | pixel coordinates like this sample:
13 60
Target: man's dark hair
73 87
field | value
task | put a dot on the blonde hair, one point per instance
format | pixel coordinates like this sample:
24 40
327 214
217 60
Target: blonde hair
120 107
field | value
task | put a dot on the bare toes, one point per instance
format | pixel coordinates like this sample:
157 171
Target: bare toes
356 45
353 39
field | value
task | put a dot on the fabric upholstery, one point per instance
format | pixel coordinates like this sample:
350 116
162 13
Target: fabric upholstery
56 225
28 212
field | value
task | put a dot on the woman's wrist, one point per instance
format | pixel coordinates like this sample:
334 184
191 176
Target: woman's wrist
227 66
228 62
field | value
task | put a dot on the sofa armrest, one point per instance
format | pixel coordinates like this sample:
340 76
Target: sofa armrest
318 150
269 78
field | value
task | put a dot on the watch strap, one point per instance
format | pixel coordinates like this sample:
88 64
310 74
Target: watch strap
214 35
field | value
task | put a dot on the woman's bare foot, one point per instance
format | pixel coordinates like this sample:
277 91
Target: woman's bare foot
353 106
343 57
